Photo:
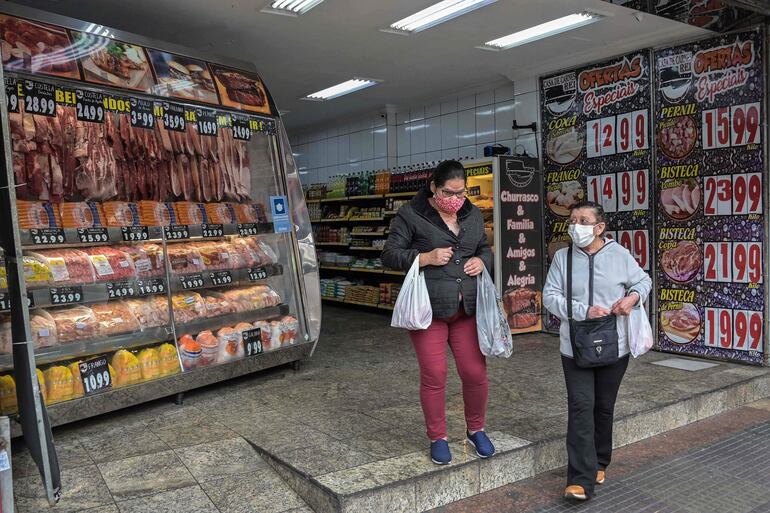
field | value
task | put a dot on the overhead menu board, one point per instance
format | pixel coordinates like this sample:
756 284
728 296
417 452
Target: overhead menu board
596 122
710 192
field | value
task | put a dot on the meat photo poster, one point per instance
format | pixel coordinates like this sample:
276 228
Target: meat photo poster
521 242
710 191
596 126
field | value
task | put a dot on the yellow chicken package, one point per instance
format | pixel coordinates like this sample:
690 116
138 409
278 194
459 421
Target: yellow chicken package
112 373
58 383
149 361
8 404
169 360
127 368
77 380
41 381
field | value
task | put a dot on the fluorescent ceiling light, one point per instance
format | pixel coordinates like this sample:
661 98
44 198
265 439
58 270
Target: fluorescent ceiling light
291 7
547 29
437 13
350 86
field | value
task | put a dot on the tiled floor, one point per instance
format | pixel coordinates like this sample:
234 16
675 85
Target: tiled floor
354 404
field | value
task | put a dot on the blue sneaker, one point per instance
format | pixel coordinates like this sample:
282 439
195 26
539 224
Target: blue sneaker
481 442
439 452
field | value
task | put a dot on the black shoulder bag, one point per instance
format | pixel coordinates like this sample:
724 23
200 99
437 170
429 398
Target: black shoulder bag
594 341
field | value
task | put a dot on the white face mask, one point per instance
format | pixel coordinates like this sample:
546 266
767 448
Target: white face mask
582 235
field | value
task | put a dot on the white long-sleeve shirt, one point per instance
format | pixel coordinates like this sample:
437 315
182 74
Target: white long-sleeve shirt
615 275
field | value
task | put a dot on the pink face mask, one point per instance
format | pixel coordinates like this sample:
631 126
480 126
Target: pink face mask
450 205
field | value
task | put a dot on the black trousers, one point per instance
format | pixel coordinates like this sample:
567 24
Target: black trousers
591 395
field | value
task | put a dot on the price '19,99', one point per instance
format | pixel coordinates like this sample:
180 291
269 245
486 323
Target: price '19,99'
740 330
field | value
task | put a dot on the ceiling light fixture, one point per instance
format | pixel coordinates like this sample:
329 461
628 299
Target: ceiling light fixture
435 14
291 7
547 29
335 91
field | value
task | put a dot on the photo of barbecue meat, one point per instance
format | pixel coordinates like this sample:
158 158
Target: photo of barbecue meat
36 48
683 262
240 89
522 306
681 326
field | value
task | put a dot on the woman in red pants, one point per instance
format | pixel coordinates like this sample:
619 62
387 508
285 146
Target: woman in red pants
446 232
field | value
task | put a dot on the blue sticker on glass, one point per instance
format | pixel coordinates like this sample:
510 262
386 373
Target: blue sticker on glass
280 210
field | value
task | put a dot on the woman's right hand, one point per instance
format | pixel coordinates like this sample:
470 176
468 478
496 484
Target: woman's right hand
438 257
597 311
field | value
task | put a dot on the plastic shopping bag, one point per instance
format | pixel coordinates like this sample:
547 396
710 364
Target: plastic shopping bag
495 337
639 332
412 309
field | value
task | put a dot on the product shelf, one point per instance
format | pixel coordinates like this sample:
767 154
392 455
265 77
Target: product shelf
214 323
368 234
225 277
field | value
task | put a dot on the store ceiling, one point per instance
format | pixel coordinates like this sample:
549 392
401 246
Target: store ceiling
340 39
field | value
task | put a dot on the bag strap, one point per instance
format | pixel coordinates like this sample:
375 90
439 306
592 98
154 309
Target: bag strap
569 283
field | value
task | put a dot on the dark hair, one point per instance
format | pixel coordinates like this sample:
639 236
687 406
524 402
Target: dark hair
447 170
601 217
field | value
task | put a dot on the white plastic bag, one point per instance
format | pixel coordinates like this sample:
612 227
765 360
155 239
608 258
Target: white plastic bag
639 333
495 337
412 309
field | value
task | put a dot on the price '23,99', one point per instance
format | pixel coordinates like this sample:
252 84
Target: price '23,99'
739 194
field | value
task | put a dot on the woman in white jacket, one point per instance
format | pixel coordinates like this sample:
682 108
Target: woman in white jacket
606 280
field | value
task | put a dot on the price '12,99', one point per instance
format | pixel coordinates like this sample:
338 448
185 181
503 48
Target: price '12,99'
617 134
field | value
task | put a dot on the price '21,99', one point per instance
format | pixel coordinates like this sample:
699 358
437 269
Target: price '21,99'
617 134
738 125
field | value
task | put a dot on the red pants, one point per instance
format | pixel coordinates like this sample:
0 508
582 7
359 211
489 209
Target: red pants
430 345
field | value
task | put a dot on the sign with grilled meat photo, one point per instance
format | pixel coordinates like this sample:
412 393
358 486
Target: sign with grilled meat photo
241 90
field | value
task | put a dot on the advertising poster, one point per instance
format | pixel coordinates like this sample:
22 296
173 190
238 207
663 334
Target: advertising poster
596 130
113 63
521 242
710 193
182 77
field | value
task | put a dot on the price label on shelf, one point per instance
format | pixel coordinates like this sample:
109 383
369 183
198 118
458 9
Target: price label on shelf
39 98
739 194
191 281
734 329
177 231
207 122
66 295
120 289
11 94
5 302
252 342
134 233
142 115
732 262
246 229
89 106
257 273
95 374
174 117
221 278
617 134
739 125
151 286
91 235
241 128
212 230
30 300
44 236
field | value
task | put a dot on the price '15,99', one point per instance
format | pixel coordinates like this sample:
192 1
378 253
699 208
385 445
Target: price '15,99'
738 125
733 262
617 134
739 194
740 330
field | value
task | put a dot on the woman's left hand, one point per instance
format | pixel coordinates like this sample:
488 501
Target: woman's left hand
625 305
473 266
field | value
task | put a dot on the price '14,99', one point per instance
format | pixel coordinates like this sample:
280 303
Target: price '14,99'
620 192
740 330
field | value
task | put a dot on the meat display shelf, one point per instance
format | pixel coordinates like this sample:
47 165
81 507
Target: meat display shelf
332 200
364 197
368 234
365 248
332 244
224 278
400 194
96 292
395 273
362 270
222 321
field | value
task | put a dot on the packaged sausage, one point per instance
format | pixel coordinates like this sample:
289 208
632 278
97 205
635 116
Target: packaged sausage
44 330
264 330
128 371
149 363
66 266
37 214
188 212
290 329
114 318
110 263
121 213
230 345
8 401
221 213
155 213
85 214
73 324
59 384
214 255
77 380
169 360
250 212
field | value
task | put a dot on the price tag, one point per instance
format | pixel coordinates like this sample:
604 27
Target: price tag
95 374
741 330
120 289
174 117
43 236
732 262
142 115
66 295
609 200
212 230
738 125
637 243
191 281
207 122
221 278
91 235
89 106
30 300
241 129
5 302
134 233
177 231
252 341
262 125
39 98
246 229
150 287
11 94
257 274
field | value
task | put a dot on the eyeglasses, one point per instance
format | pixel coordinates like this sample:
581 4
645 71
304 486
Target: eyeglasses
584 221
448 194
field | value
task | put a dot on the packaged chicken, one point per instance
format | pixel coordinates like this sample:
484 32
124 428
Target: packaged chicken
217 305
149 312
41 382
252 298
36 272
209 348
215 255
114 318
250 212
128 371
289 329
121 213
44 330
221 213
37 214
155 213
77 380
59 384
66 267
147 259
73 324
8 402
264 330
230 345
189 352
188 212
84 214
169 360
184 259
6 340
188 306
110 263
255 251
149 362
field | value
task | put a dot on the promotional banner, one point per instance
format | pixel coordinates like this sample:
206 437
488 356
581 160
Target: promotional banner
520 183
596 125
710 193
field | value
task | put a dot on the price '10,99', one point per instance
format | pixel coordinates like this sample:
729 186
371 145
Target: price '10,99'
620 192
617 134
637 242
740 330
731 126
739 194
733 262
